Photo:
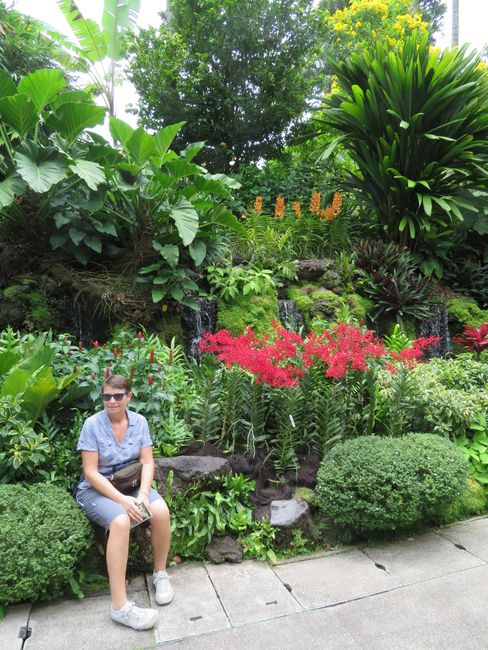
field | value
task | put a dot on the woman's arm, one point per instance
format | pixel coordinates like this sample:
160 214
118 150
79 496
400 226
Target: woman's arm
101 484
147 475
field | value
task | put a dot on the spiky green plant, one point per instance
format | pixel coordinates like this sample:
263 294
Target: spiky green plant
416 124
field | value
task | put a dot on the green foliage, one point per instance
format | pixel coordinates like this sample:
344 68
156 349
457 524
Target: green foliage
95 43
416 124
230 281
374 484
391 279
251 56
475 449
314 303
23 47
198 514
397 340
21 448
442 396
43 537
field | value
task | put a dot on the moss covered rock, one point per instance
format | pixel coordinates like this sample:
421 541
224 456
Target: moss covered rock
314 301
31 303
257 312
465 311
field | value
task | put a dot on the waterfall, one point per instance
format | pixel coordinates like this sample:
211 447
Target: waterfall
289 315
437 325
195 322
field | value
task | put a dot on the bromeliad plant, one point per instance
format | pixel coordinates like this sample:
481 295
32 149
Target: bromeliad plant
474 338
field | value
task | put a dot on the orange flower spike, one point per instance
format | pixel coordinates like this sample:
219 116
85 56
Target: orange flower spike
258 204
315 203
279 207
297 209
336 204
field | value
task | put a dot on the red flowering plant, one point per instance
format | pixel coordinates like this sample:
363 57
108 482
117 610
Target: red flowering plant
474 338
347 353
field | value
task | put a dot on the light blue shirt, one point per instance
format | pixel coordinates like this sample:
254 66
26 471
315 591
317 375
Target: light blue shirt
97 435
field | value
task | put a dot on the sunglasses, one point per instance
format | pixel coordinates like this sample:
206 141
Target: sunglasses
118 397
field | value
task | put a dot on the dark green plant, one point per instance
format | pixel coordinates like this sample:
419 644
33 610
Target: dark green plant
256 66
391 279
199 514
475 449
230 281
41 565
415 122
374 484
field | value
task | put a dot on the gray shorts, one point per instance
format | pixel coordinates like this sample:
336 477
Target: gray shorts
102 510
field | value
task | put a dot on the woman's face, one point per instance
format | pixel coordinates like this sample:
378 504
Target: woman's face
115 400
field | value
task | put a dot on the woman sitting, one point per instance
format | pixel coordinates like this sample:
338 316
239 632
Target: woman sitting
109 439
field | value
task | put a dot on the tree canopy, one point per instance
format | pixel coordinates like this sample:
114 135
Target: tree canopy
238 72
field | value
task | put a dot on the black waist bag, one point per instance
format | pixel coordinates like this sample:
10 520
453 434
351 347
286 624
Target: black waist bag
127 479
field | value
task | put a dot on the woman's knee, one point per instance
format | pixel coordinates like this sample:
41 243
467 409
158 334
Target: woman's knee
120 525
159 510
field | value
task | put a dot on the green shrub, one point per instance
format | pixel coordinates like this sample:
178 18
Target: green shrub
445 395
253 311
43 537
470 503
382 484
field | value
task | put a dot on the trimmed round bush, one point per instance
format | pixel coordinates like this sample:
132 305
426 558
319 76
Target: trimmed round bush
43 537
374 484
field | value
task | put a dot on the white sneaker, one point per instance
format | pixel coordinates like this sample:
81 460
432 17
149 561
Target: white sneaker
164 588
138 618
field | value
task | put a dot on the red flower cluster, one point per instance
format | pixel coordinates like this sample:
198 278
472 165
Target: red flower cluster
280 363
275 364
345 348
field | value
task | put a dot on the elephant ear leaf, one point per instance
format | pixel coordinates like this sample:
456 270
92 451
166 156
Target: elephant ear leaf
42 87
19 112
40 169
185 217
9 188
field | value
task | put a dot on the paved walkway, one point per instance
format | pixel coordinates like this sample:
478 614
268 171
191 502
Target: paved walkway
429 591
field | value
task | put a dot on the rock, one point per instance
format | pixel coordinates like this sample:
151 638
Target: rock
187 469
261 512
224 549
312 269
289 514
330 279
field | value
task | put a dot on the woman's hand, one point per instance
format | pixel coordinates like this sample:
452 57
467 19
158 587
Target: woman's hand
130 506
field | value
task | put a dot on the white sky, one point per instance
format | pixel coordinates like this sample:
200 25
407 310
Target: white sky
473 28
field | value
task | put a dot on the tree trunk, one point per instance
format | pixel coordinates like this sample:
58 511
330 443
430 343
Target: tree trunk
455 23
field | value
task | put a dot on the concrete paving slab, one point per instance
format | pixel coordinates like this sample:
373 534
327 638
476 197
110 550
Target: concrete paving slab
196 608
316 630
251 592
441 614
17 616
84 625
473 535
421 558
335 579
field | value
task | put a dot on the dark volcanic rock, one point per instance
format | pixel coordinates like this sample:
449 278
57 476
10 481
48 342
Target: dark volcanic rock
224 549
289 514
313 269
187 469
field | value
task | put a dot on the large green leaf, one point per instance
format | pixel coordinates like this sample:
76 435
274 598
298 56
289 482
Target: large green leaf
118 16
198 251
8 359
40 169
91 172
15 382
7 86
40 391
42 86
120 130
170 252
71 118
186 219
140 146
165 137
90 37
19 112
9 188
